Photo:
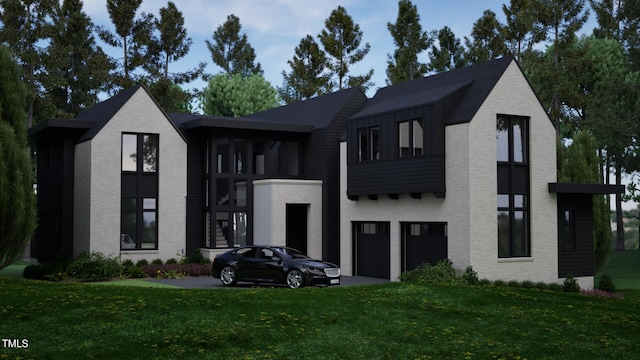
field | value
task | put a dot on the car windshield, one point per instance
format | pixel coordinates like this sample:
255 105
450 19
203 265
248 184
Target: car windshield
294 254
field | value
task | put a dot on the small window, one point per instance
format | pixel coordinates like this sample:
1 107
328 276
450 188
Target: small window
568 230
410 138
129 152
369 143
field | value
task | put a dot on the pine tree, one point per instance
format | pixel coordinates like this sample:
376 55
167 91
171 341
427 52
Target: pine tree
487 41
77 70
132 34
341 39
522 32
410 41
23 28
307 77
450 53
232 51
17 199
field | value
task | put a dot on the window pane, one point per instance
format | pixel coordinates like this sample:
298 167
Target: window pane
519 201
273 165
503 200
129 152
149 204
418 137
258 158
128 230
504 236
222 229
129 204
239 156
520 233
207 230
222 155
502 139
363 145
375 143
567 230
240 228
222 191
293 158
519 141
241 192
403 138
150 153
149 231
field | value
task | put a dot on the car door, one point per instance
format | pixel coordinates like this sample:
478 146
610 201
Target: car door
269 265
245 260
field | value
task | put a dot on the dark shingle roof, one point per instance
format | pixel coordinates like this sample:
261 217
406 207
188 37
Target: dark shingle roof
475 81
318 112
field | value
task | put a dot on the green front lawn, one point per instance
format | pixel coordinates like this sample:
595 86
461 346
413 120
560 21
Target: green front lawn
388 321
624 269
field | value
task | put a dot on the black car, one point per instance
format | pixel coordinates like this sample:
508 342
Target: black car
273 264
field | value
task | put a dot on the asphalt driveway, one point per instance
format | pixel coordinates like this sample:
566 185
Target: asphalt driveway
208 282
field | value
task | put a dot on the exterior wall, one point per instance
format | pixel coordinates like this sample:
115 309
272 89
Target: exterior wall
269 211
512 95
100 199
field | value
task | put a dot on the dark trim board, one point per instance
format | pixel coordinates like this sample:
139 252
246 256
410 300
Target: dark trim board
575 188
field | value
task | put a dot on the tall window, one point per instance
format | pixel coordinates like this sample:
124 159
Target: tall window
512 141
410 138
139 196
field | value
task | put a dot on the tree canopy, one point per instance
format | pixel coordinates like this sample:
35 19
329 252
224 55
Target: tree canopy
231 50
238 95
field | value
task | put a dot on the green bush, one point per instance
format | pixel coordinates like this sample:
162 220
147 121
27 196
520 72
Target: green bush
606 284
94 266
172 261
142 263
157 262
39 271
470 276
197 258
570 284
440 274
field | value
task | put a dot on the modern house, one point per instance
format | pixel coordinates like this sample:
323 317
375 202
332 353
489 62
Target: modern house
460 165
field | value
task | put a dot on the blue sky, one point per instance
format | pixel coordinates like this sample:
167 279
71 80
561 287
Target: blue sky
275 27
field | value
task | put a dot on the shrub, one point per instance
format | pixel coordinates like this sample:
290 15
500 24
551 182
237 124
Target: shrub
142 263
127 263
527 284
197 258
94 266
541 285
157 262
570 284
606 284
39 271
442 273
470 276
172 261
499 283
514 284
175 270
555 287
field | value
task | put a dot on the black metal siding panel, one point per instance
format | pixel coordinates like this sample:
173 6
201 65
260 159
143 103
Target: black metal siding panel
195 193
423 174
578 262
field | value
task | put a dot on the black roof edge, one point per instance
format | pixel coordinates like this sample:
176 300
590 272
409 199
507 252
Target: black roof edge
587 189
235 123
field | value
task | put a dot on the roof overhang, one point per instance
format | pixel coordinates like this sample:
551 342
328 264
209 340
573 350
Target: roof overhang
587 189
237 123
44 126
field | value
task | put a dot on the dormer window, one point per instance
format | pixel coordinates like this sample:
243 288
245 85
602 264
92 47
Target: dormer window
369 143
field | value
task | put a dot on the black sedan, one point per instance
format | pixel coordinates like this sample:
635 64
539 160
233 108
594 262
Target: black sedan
273 264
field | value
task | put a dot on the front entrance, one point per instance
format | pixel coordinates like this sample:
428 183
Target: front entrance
423 243
297 226
372 246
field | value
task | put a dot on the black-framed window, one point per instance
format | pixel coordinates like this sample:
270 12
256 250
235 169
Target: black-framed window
369 143
410 138
139 191
567 231
513 215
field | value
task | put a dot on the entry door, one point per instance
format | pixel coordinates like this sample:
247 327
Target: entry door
297 226
372 249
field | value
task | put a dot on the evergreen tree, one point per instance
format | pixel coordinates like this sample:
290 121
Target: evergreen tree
17 199
580 164
307 77
487 41
170 45
238 95
522 31
410 41
24 24
132 34
76 68
449 55
341 39
232 51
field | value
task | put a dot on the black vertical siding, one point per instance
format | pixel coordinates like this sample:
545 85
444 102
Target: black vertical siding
195 190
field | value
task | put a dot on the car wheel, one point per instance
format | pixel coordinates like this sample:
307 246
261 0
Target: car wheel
228 276
295 279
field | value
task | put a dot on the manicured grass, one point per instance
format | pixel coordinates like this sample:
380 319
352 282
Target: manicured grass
388 321
14 270
624 269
